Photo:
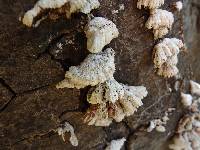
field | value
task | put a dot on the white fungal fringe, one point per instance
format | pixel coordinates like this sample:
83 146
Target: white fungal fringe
195 87
165 56
160 21
66 7
188 135
116 144
99 32
68 128
151 4
113 101
95 69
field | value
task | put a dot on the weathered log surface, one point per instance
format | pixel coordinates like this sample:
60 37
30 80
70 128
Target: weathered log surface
32 62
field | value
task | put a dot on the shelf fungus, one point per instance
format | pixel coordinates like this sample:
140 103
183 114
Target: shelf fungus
151 4
188 133
54 8
165 57
95 69
113 101
160 21
116 144
99 32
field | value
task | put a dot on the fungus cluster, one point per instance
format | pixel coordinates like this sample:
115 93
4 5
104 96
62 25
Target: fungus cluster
165 56
160 21
165 52
113 101
109 99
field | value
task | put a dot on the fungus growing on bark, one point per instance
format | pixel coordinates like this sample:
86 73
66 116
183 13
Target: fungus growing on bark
95 69
165 57
68 128
113 101
195 87
186 99
188 135
159 124
160 21
99 32
151 4
54 7
116 144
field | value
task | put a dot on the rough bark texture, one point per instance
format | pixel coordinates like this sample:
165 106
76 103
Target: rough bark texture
32 62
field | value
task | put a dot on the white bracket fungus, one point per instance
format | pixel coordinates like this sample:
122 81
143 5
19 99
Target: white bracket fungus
160 21
113 101
116 144
66 7
165 57
195 87
95 69
68 128
186 99
99 32
151 4
188 135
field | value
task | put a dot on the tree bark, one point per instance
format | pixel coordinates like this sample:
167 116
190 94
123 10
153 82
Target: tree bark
31 63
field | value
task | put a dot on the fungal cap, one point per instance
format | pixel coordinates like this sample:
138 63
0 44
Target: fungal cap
160 21
100 32
113 101
84 6
95 69
39 6
195 87
186 99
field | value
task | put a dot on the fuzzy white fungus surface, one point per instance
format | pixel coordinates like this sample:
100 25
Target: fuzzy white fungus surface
100 32
95 69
